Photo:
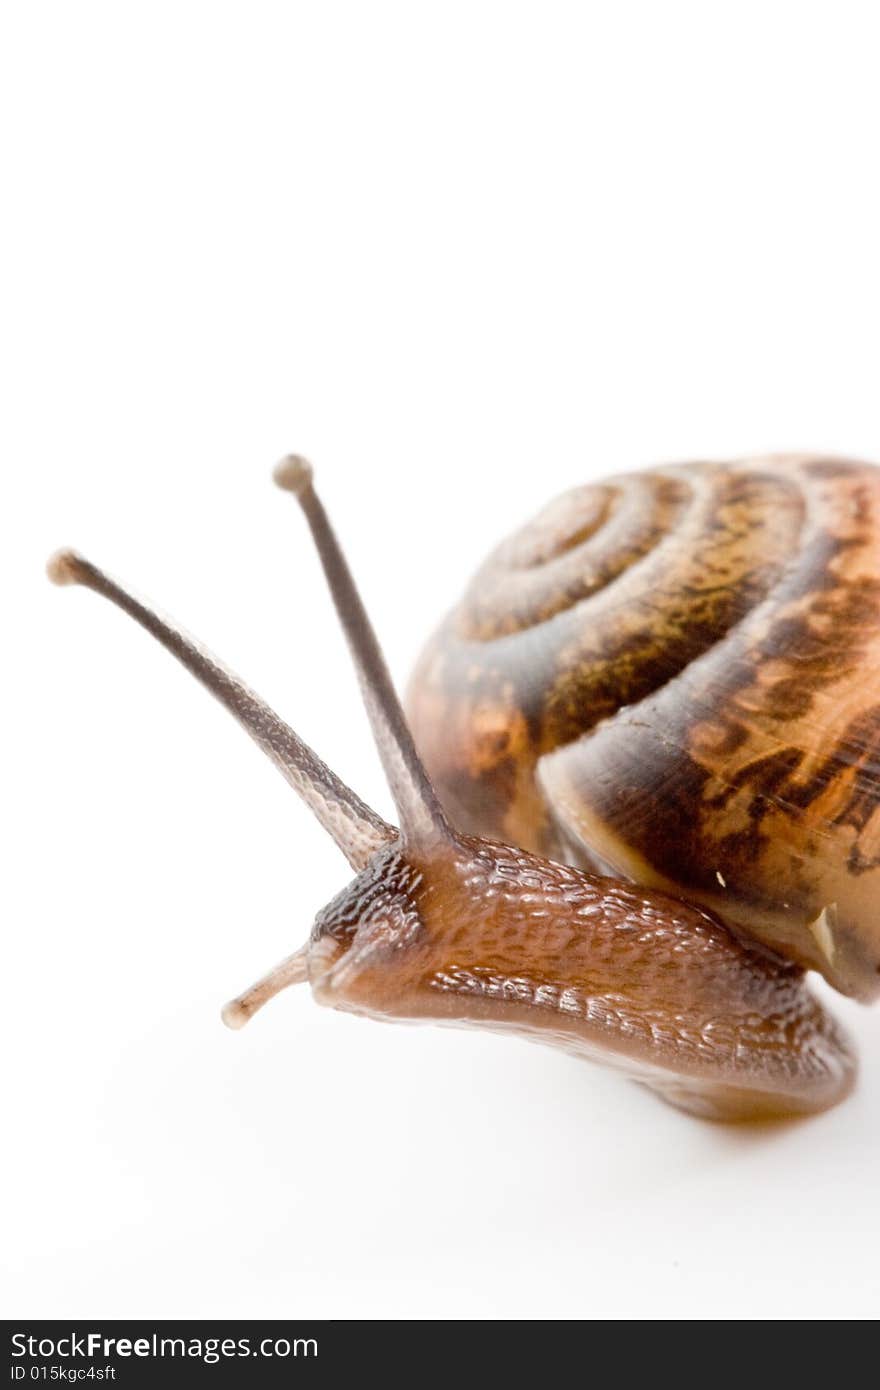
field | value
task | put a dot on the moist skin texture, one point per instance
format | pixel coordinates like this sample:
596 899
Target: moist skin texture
675 676
468 931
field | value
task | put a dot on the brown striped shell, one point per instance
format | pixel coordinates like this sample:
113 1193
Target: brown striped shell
674 676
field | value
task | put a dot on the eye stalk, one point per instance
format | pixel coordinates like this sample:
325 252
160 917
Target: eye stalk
357 830
421 816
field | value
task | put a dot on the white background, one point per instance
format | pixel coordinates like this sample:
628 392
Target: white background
465 256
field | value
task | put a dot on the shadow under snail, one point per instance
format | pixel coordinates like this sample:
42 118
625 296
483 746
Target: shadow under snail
646 796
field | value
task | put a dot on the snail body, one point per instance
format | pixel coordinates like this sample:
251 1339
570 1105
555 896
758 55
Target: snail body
646 796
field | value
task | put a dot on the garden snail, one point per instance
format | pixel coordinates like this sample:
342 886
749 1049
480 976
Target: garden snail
650 794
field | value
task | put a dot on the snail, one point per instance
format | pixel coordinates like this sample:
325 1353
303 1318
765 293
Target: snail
638 787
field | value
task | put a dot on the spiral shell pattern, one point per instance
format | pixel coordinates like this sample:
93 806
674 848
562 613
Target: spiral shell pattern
674 676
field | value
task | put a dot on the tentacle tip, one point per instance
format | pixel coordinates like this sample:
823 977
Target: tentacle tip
293 474
234 1014
64 567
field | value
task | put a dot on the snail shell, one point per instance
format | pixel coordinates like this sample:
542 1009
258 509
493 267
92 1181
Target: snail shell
674 676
